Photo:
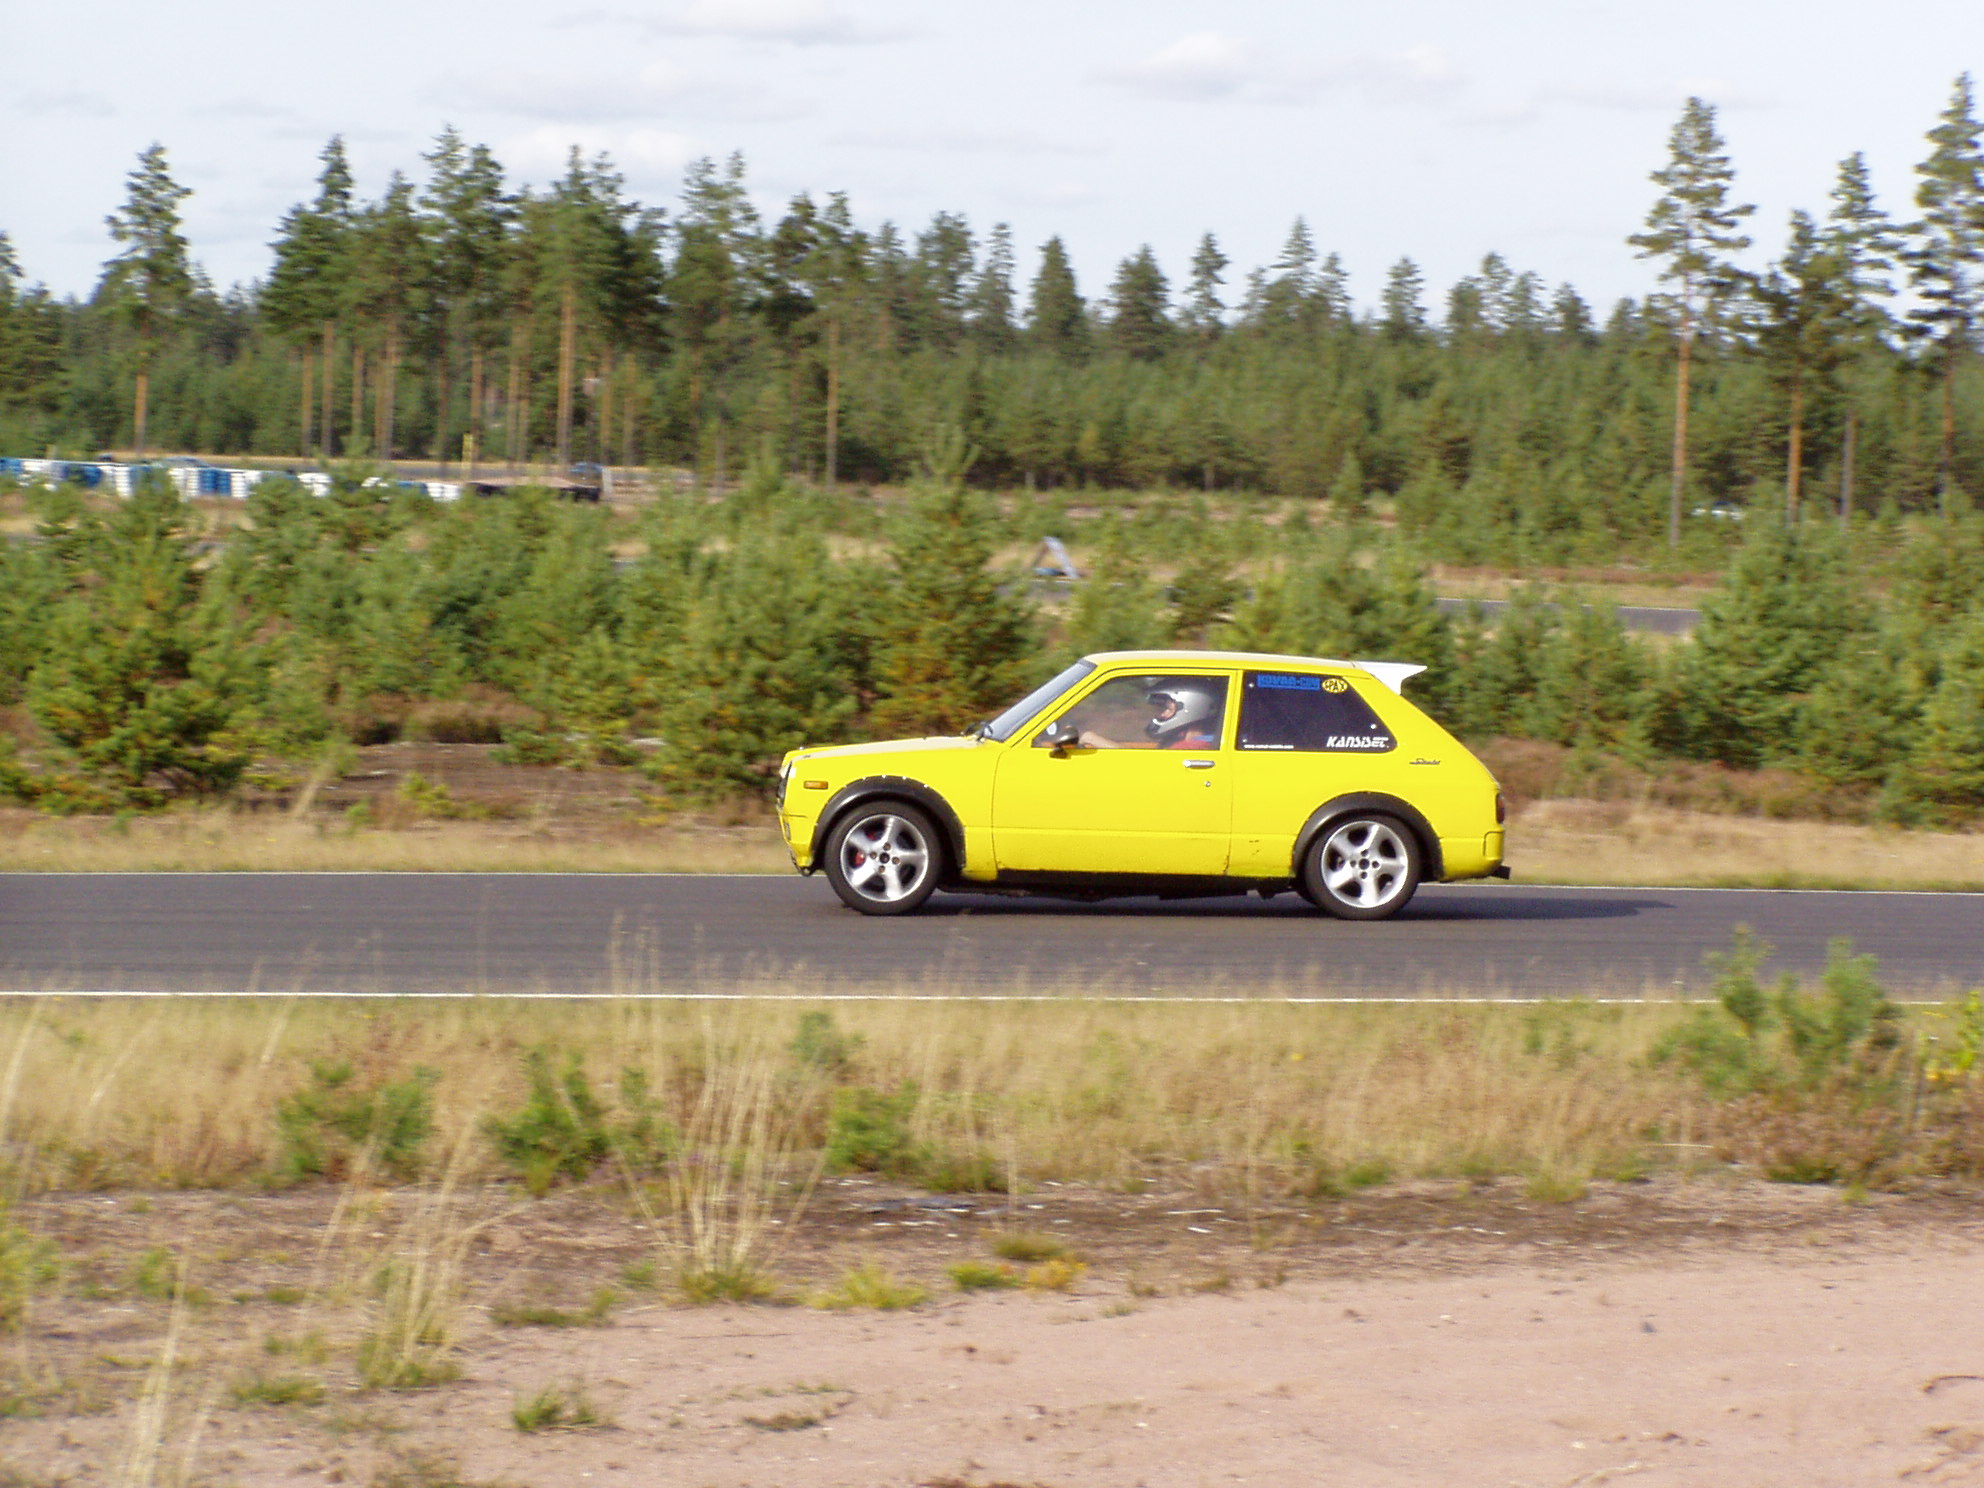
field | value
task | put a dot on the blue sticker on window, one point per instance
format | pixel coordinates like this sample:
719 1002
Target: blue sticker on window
1291 684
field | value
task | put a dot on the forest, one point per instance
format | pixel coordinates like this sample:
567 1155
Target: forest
874 428
465 318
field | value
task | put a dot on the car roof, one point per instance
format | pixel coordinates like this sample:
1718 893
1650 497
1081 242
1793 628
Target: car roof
1392 674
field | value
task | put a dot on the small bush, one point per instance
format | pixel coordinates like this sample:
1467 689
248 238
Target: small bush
526 1315
819 1045
981 1276
276 1389
1027 1246
334 1123
556 1408
27 1265
1057 1275
870 1285
702 1285
868 1131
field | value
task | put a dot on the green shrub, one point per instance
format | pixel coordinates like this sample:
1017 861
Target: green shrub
564 1131
820 1045
335 1123
868 1131
982 1276
27 1264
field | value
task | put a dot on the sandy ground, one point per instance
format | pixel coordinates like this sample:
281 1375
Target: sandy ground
1679 1332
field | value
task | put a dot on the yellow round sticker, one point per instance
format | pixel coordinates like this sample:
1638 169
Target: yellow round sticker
1335 684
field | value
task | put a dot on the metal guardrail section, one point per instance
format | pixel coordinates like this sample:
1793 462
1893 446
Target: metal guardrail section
196 480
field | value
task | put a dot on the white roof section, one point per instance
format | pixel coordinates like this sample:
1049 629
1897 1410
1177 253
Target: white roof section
1392 674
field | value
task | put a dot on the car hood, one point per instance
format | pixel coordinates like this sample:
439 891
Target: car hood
888 746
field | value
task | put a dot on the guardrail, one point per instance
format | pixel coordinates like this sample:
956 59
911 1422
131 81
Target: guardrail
197 480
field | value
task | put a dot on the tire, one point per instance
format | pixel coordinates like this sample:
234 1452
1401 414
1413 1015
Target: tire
1365 866
884 858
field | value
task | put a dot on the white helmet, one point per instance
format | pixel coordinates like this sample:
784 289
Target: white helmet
1194 703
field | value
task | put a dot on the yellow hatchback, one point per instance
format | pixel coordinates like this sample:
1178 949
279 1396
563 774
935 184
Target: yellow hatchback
1177 773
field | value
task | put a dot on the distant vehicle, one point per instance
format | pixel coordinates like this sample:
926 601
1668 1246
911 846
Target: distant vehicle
1721 511
1177 773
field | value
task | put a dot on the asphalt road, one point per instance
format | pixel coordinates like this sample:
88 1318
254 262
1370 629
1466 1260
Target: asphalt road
1660 619
414 933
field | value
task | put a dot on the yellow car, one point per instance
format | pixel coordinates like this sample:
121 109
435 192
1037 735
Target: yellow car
1178 773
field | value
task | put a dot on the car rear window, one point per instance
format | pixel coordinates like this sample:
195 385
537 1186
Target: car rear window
1303 713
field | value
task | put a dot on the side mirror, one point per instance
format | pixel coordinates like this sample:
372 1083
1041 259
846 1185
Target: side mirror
1059 736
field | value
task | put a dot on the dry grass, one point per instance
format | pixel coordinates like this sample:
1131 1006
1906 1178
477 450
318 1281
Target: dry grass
1617 842
223 841
1248 1097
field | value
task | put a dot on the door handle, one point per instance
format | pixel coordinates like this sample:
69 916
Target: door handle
1198 764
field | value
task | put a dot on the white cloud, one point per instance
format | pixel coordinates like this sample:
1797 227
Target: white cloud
1651 98
965 141
642 154
67 101
797 22
1209 65
1206 64
659 88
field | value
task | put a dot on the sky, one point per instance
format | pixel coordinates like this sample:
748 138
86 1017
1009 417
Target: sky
1438 129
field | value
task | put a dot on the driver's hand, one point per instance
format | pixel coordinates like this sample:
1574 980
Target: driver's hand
1090 739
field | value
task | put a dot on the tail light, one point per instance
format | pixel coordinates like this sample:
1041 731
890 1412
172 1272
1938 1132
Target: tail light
1501 809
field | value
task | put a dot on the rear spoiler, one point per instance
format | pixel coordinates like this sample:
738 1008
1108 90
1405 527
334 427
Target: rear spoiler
1392 673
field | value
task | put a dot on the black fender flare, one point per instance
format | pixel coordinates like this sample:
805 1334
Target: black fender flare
1335 810
897 787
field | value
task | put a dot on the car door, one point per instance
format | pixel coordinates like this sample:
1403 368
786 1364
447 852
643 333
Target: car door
1133 797
1299 739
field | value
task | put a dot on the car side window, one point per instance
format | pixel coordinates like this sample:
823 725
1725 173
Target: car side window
1303 713
1150 712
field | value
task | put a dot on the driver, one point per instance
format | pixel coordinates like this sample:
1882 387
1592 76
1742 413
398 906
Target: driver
1183 717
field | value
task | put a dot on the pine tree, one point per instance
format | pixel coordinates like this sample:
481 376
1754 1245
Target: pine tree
306 292
1691 230
1945 258
1286 298
149 283
469 217
1805 331
1057 320
941 274
1202 315
140 686
957 647
1859 235
390 280
1139 317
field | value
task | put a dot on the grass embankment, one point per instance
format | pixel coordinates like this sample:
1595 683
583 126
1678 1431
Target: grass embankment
189 1091
989 1096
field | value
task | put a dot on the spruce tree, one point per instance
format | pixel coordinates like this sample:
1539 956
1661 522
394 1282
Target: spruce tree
1203 316
1057 320
1401 316
1139 316
993 296
149 283
1945 258
1691 231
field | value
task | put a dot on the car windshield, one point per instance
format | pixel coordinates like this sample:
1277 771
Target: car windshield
1001 728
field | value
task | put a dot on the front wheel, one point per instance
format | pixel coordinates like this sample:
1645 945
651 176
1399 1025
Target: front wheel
884 859
1364 867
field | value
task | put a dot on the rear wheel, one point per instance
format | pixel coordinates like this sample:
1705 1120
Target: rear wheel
884 858
1364 867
